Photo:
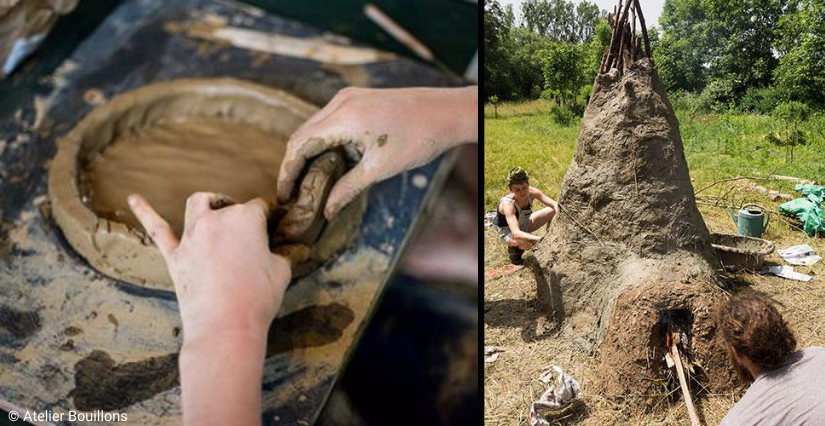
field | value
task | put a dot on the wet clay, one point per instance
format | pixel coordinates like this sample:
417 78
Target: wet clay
302 223
16 325
308 327
168 162
168 140
101 384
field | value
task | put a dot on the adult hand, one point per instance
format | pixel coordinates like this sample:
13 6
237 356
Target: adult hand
394 130
225 276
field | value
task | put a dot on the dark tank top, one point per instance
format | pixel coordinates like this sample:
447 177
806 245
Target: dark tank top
501 220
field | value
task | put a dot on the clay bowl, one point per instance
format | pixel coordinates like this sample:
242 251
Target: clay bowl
121 250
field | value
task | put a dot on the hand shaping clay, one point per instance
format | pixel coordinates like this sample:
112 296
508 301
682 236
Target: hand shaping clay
303 220
171 139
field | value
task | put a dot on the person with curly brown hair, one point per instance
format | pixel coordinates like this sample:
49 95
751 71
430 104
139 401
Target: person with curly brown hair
787 384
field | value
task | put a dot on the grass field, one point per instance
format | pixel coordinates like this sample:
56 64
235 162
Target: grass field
717 147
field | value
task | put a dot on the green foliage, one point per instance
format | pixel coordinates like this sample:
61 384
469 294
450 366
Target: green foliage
801 70
513 67
561 115
497 68
560 20
685 45
526 66
594 51
722 55
729 144
760 100
687 101
791 113
563 74
726 44
746 30
719 95
494 101
777 138
569 70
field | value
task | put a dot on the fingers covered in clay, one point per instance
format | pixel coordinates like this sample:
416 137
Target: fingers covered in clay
299 149
157 228
345 190
304 215
294 253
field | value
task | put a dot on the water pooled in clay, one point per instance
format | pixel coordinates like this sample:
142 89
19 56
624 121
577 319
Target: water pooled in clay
168 162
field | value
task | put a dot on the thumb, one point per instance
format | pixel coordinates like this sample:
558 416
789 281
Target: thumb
347 188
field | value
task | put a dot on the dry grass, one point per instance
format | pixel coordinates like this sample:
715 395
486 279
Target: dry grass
512 320
716 149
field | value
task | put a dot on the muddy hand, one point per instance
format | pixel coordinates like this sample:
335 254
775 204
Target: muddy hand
303 220
392 130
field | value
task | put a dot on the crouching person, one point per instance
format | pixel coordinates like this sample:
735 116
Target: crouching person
787 384
516 220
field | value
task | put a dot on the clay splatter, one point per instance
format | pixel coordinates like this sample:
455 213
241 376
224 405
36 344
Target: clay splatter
16 325
308 327
72 331
113 320
68 346
100 384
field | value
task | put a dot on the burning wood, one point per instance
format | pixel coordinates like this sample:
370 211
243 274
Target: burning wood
673 339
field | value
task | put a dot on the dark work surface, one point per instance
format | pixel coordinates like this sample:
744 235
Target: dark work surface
132 48
64 37
448 27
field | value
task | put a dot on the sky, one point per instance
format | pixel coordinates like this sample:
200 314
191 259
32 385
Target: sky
651 8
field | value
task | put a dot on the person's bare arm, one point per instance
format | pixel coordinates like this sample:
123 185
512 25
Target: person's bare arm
229 287
394 130
543 198
510 215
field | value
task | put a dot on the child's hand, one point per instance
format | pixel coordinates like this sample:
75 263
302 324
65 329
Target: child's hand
393 129
226 279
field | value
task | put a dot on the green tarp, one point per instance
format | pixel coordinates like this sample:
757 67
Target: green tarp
807 209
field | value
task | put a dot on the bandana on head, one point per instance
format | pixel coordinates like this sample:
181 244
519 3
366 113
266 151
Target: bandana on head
517 175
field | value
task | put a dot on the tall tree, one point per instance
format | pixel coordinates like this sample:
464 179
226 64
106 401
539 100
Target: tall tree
747 30
496 55
685 46
509 16
526 62
801 44
560 20
563 71
588 16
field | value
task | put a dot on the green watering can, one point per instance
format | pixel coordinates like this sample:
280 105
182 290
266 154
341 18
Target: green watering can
749 220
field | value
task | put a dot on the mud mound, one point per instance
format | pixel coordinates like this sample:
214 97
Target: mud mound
629 240
632 365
